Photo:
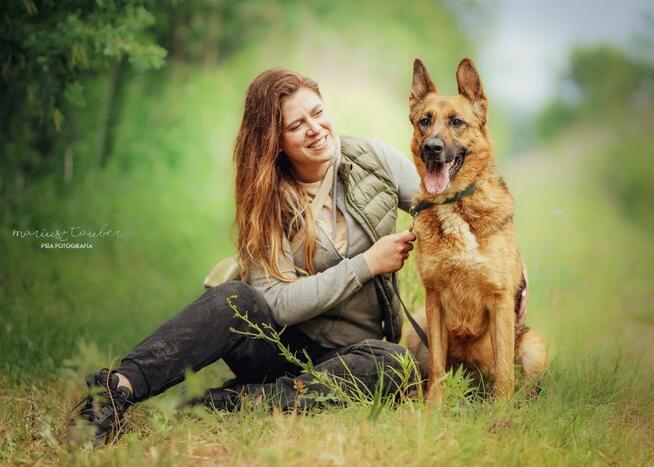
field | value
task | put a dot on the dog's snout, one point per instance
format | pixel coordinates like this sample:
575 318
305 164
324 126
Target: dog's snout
434 147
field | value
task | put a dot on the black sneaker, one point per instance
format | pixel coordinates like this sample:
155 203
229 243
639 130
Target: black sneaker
230 397
99 417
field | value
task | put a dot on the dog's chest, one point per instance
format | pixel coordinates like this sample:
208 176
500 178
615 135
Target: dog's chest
450 256
446 238
452 261
454 226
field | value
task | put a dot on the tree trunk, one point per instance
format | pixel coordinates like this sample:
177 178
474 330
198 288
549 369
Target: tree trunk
107 113
68 165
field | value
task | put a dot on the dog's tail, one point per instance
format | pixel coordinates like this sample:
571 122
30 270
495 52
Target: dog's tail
531 355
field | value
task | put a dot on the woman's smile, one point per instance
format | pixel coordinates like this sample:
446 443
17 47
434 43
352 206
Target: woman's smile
320 143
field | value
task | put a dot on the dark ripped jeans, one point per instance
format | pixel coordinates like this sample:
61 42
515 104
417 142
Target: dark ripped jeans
201 334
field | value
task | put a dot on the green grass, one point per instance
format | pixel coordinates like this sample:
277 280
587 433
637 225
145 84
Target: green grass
65 313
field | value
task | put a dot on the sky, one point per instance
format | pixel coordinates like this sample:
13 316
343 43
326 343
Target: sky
525 44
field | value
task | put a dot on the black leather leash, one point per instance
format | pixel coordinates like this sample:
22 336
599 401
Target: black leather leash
421 332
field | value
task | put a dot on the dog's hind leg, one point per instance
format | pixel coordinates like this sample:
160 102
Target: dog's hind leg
531 355
437 333
502 331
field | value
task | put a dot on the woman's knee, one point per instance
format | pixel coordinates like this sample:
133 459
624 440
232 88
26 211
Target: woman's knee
233 288
240 298
380 348
388 354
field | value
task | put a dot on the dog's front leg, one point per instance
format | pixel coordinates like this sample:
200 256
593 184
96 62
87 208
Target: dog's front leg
437 332
502 320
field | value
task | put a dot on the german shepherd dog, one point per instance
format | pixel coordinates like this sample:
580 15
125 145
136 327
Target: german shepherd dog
468 256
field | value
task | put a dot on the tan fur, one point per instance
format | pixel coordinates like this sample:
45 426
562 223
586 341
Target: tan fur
468 255
530 355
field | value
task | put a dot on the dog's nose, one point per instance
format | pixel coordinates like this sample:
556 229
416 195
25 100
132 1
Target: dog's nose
433 147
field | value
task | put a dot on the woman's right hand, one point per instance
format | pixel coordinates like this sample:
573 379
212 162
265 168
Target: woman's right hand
387 255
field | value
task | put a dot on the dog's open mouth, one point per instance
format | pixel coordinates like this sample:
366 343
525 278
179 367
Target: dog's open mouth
439 174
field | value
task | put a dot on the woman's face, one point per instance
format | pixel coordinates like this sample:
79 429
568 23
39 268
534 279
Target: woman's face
307 134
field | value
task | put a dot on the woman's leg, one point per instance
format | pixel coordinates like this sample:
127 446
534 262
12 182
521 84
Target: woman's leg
202 333
356 368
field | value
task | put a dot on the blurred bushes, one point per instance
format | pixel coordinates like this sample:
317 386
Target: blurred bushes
614 92
601 83
626 169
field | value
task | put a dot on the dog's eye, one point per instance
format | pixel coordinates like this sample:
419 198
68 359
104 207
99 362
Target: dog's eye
457 122
424 121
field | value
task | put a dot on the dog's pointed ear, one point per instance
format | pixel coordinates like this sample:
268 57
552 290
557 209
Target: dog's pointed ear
470 87
421 84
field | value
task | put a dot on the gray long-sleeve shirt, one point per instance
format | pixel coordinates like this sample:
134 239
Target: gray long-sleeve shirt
341 288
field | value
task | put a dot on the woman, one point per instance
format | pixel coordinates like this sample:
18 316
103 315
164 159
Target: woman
315 215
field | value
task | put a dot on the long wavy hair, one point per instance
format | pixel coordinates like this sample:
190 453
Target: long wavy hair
269 202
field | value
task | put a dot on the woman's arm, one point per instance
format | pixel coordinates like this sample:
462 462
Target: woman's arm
402 171
307 297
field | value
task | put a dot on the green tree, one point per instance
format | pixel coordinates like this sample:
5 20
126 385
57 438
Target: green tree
46 48
602 81
608 79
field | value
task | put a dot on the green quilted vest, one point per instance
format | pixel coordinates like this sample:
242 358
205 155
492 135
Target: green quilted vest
371 199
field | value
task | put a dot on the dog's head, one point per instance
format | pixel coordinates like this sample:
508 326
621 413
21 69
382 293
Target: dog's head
450 140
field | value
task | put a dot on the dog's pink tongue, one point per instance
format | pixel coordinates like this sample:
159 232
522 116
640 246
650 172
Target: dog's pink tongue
437 179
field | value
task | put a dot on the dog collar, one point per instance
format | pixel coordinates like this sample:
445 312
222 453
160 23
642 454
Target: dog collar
426 204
